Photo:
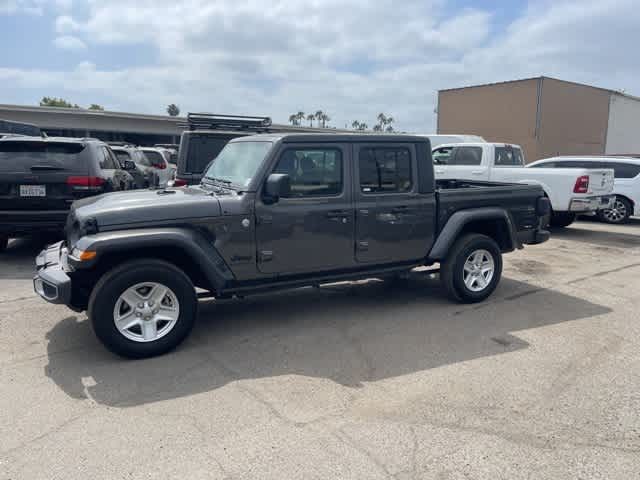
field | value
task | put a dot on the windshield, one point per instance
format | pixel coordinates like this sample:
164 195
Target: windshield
237 162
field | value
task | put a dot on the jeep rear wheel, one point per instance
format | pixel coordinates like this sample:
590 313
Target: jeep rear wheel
143 308
472 269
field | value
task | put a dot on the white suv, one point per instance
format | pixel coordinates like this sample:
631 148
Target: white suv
156 161
626 186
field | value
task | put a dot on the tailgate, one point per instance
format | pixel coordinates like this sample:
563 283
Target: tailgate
34 174
600 181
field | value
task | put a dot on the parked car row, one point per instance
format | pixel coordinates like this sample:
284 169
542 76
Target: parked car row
608 187
40 177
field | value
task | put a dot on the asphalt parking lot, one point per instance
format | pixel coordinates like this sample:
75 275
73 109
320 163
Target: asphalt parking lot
366 380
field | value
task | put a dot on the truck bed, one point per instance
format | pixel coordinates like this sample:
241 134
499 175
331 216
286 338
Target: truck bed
518 199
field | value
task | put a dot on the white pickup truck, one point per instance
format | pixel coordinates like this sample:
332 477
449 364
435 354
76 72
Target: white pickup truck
571 191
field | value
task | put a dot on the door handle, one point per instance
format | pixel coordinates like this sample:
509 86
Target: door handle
400 209
477 172
439 171
338 214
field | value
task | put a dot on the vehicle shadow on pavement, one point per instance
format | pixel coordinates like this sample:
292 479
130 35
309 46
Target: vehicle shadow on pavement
601 238
349 333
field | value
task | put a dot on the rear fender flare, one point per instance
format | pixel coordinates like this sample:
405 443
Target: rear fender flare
459 220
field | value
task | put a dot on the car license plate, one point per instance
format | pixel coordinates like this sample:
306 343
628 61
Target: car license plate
33 191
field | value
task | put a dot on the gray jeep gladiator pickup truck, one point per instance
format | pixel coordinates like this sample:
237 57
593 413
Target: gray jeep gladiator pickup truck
275 212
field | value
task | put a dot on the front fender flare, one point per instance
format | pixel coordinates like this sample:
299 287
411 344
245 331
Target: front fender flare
190 241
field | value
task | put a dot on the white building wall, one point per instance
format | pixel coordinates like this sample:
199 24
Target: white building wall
623 131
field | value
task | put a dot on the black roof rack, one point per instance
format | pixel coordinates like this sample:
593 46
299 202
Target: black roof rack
227 122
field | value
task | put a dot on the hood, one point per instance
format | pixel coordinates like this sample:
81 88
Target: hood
146 206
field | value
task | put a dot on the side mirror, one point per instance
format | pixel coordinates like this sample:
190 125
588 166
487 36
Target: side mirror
129 165
278 185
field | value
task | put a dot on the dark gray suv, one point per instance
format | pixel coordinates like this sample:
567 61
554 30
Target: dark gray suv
41 177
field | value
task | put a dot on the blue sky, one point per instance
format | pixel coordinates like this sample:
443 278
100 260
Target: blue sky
351 58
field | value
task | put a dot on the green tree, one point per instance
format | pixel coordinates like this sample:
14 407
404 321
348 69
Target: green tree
173 110
56 102
311 117
95 106
384 123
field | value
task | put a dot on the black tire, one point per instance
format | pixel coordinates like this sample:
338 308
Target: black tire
4 243
622 208
562 219
113 283
452 268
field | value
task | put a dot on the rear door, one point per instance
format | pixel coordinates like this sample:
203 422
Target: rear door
393 220
38 175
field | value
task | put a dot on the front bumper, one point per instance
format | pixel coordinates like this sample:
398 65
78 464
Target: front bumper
27 222
591 204
51 281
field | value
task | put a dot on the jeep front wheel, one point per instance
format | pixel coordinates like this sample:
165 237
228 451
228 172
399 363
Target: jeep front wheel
473 268
143 308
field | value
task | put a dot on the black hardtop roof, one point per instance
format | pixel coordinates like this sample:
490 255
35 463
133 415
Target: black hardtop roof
334 138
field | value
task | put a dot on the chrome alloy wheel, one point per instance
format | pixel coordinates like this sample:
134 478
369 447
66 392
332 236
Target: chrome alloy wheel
478 270
146 312
617 213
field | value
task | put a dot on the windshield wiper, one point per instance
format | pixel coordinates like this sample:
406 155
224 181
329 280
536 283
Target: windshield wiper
221 180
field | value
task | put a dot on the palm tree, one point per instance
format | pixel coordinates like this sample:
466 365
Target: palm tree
355 125
363 126
325 119
311 117
300 116
319 114
377 128
382 120
293 118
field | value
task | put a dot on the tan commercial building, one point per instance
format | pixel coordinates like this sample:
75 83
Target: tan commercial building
545 116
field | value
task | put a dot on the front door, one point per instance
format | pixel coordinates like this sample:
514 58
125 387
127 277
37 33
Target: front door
312 229
394 221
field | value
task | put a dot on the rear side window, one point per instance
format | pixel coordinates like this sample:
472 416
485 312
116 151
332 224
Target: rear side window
201 150
625 170
122 156
466 156
385 170
155 158
313 171
508 157
107 162
29 156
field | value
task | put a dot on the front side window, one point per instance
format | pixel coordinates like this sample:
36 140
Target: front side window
442 156
508 157
122 156
385 170
313 171
467 156
238 162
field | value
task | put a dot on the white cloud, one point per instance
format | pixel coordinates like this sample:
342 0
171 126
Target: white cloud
351 59
32 7
69 42
66 24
